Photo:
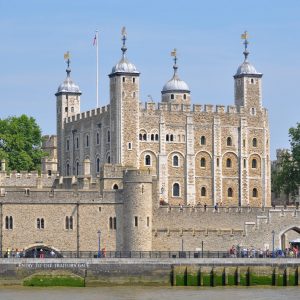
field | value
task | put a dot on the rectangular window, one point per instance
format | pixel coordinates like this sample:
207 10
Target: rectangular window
148 221
129 146
136 221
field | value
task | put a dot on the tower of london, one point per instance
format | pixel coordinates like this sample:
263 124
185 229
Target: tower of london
150 177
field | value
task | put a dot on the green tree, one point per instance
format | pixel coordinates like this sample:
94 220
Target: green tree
20 143
286 177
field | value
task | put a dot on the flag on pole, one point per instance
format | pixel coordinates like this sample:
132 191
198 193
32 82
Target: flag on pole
95 40
173 53
66 55
244 36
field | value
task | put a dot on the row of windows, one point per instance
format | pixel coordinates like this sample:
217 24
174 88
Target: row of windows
175 162
113 223
203 192
229 141
87 141
136 221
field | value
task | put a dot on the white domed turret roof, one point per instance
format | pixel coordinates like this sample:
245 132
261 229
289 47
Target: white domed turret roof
124 66
246 68
175 84
68 86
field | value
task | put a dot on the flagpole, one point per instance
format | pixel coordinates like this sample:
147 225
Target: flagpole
97 72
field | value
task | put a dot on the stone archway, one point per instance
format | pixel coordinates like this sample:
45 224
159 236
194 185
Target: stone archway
41 251
287 235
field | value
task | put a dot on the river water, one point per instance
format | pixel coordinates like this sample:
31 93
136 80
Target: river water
149 293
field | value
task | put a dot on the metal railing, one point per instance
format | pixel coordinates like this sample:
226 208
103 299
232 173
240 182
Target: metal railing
149 254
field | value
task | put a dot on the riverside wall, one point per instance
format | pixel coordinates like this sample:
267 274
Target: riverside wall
162 272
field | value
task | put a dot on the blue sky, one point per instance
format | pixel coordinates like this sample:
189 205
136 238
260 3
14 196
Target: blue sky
35 34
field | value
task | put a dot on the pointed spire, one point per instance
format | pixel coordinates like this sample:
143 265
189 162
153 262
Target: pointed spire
244 37
175 67
124 38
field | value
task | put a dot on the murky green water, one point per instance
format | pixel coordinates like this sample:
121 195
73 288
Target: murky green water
147 293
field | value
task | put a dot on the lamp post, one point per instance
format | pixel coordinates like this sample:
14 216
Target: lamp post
273 240
99 249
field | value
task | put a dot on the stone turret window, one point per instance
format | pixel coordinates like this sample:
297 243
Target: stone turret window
167 138
66 109
171 137
229 141
244 163
203 191
156 137
202 162
72 109
230 192
152 137
228 163
108 159
40 223
133 80
98 138
9 222
136 221
98 165
176 190
68 169
129 146
108 136
172 97
145 137
148 160
115 187
87 140
254 163
69 223
77 168
254 193
68 145
253 111
175 161
203 140
112 223
77 143
123 79
115 223
254 142
184 96
133 95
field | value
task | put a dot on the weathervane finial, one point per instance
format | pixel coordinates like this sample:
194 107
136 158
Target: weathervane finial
124 37
244 37
174 54
67 59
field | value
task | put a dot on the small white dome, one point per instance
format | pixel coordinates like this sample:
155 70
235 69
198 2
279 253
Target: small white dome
124 66
175 85
68 86
246 68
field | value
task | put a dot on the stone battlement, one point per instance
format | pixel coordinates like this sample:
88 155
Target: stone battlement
205 108
87 114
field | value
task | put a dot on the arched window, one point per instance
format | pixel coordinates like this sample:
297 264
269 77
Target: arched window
115 187
156 137
230 192
253 111
87 141
108 136
244 163
254 142
254 163
140 137
172 96
67 223
167 138
98 165
98 138
229 141
203 191
184 96
108 159
133 80
68 169
171 137
144 137
110 223
202 162
254 193
71 222
175 161
147 160
176 190
152 137
42 223
228 163
203 140
68 145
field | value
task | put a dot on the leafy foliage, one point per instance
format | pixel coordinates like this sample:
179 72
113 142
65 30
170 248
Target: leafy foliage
286 177
20 143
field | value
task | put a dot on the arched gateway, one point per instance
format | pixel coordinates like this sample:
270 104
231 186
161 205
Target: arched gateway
41 251
289 234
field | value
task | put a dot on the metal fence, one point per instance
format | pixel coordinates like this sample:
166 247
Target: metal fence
150 254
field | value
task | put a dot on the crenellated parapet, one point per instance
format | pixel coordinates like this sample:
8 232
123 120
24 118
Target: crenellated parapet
88 114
